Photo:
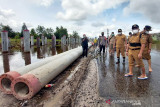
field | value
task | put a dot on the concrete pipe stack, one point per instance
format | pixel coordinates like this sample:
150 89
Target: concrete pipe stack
25 82
7 78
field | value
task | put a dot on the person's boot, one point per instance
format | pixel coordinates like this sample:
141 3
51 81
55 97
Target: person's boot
118 61
123 60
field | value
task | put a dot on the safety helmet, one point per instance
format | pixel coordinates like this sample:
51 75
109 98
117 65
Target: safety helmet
135 26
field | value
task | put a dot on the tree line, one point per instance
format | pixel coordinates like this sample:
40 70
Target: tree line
39 31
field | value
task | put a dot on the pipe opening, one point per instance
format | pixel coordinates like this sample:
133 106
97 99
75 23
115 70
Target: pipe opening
21 89
6 84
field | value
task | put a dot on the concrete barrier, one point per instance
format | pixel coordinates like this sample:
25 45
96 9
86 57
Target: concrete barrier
26 86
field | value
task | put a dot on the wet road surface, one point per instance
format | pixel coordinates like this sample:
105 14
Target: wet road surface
16 58
129 91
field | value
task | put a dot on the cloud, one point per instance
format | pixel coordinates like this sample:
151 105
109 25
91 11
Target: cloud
97 24
45 3
110 27
155 30
76 10
113 19
149 9
7 13
72 28
79 23
8 17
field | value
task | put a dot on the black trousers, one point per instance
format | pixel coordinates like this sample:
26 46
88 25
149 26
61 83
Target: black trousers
85 51
102 47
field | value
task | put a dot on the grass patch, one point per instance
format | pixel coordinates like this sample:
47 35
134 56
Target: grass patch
156 42
19 40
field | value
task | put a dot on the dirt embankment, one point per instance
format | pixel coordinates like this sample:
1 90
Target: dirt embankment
87 94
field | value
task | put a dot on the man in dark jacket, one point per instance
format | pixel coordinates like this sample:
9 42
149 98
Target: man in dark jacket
85 45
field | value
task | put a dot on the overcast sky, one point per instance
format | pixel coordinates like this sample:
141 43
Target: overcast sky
85 16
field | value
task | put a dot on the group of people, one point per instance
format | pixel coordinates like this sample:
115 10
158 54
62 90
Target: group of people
137 47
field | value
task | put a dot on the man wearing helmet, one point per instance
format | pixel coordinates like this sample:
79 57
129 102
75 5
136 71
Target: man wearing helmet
134 51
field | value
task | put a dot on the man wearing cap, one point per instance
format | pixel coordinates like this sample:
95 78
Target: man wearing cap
146 53
102 43
111 43
120 43
134 51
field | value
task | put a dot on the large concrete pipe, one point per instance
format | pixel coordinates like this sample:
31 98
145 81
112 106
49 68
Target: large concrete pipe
7 78
27 85
4 41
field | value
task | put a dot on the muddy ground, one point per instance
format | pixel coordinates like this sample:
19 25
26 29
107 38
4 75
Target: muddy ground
87 94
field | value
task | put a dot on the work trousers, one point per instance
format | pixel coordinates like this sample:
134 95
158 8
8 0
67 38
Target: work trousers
85 51
102 47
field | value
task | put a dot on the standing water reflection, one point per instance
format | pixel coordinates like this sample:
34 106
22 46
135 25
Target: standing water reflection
16 58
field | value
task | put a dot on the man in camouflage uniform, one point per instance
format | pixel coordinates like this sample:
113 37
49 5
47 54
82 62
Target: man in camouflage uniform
111 41
120 42
146 54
